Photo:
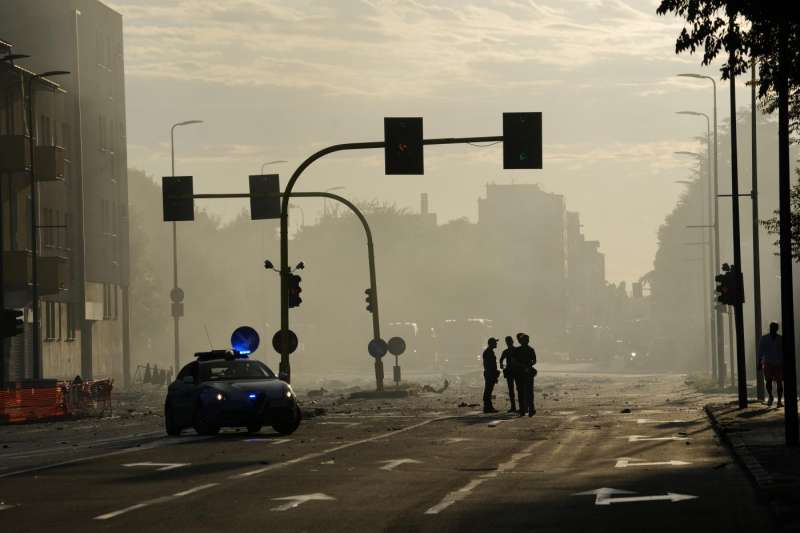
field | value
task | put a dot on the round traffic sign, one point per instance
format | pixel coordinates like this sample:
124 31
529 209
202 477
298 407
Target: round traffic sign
377 348
276 341
396 346
176 295
245 340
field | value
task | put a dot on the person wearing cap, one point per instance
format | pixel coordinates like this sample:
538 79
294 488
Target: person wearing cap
490 375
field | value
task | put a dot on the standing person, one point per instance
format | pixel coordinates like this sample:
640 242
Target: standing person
490 375
526 356
506 363
770 357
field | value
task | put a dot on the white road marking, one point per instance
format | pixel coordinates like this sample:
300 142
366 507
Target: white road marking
650 421
346 424
495 423
391 464
329 451
121 511
165 499
464 491
271 441
196 489
604 496
6 506
164 466
296 501
641 438
457 439
154 501
625 462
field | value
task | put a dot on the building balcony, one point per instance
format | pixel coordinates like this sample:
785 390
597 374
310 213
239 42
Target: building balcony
14 153
50 163
53 274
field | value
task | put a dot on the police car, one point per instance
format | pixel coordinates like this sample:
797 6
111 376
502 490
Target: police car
222 388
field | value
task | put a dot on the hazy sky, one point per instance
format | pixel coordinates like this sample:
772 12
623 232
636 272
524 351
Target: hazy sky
282 79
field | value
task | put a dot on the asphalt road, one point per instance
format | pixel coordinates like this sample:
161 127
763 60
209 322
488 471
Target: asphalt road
419 464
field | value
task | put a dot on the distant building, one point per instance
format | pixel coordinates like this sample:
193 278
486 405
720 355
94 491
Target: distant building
81 171
524 229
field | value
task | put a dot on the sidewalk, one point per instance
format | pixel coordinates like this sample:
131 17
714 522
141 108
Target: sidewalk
757 439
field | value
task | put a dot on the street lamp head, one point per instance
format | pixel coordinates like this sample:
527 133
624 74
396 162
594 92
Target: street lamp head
691 75
337 188
300 266
693 113
684 182
12 57
188 122
51 73
693 154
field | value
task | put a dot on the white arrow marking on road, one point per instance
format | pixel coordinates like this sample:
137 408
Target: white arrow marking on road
625 462
296 501
164 466
604 496
640 438
651 421
394 463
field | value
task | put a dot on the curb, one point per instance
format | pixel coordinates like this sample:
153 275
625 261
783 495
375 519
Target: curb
784 513
741 453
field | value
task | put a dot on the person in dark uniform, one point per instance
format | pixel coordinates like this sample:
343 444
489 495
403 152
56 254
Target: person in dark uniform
526 356
506 364
490 375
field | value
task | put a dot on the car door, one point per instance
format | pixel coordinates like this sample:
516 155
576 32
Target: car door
184 391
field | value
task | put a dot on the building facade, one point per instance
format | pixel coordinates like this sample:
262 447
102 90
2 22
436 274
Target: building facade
80 165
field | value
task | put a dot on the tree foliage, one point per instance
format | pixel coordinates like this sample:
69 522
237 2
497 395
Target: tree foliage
772 224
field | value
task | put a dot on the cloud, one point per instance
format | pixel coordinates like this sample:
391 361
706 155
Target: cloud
381 48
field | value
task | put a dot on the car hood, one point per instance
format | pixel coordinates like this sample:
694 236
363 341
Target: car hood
273 388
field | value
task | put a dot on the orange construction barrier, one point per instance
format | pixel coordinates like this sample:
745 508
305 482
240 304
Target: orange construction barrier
31 401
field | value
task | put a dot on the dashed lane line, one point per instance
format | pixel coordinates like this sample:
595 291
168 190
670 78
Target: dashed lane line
465 491
243 475
163 499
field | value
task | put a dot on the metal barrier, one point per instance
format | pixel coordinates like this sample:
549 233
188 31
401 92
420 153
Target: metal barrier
35 401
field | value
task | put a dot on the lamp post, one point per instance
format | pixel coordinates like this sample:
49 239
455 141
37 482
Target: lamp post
271 163
325 200
37 355
176 294
715 224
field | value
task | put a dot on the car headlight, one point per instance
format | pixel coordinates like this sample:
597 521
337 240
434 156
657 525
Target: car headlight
220 396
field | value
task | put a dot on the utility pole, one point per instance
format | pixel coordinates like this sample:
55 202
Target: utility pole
785 221
737 251
756 259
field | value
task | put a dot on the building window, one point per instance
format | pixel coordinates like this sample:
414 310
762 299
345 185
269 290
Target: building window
71 326
50 321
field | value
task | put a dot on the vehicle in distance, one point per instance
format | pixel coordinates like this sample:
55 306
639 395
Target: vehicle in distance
224 389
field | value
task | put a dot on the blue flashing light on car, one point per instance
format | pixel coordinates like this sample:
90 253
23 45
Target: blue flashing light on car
252 395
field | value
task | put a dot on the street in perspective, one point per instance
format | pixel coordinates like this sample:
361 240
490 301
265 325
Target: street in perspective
399 266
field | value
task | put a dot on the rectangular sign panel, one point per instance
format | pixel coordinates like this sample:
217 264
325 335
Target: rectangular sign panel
265 199
403 151
177 197
522 140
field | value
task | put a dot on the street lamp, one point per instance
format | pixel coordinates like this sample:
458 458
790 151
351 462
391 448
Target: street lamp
176 294
325 200
715 223
37 356
271 163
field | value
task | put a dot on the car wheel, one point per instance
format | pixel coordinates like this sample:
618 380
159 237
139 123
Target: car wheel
173 429
202 427
289 424
254 428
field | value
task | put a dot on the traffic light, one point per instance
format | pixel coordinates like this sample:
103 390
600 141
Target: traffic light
177 198
12 323
370 299
522 140
722 289
265 199
403 150
295 290
736 286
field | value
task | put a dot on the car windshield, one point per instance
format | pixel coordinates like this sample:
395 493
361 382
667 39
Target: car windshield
236 369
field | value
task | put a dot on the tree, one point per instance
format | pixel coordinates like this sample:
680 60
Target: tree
772 224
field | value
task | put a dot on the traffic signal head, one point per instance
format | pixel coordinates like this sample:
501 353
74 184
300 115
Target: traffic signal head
177 198
265 199
722 289
370 299
522 140
12 323
295 290
403 150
